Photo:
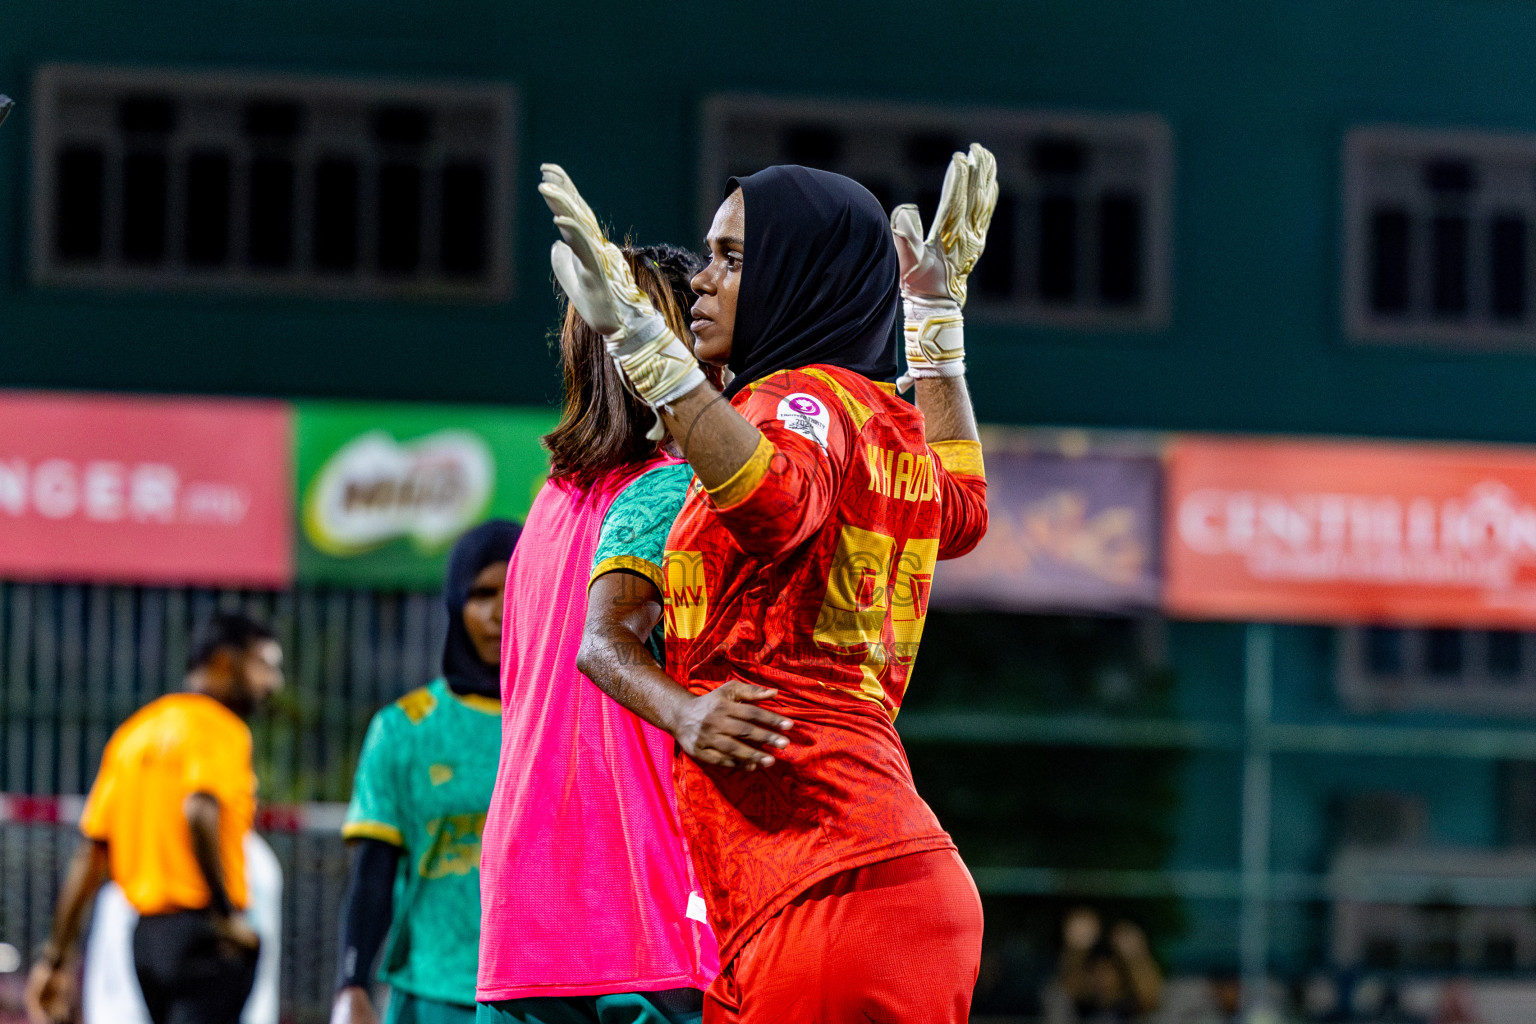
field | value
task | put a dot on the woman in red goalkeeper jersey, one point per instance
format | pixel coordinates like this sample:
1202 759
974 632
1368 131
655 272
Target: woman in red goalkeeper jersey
796 582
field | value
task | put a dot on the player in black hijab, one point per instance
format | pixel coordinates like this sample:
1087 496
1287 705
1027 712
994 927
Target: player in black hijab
823 286
796 579
472 658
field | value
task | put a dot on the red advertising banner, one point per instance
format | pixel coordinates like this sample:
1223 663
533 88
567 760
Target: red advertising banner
145 490
1323 531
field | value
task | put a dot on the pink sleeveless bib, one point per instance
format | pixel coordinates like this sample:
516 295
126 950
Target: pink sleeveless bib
585 880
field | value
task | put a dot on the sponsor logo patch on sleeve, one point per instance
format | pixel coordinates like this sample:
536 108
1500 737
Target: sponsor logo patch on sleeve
805 415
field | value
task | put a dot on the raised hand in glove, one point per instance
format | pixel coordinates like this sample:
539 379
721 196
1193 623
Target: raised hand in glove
934 269
597 279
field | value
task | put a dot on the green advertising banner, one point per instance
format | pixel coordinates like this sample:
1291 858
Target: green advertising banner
384 490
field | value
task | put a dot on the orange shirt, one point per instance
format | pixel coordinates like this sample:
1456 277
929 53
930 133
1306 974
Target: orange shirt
173 747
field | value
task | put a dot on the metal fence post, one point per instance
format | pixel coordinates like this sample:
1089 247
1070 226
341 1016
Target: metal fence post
1258 700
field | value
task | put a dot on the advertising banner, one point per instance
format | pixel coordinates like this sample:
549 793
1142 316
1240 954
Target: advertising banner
1362 531
1065 532
145 490
385 490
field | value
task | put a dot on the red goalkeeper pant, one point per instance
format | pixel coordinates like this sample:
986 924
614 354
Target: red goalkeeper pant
894 942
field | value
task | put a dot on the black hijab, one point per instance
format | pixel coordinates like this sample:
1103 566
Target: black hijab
819 277
487 543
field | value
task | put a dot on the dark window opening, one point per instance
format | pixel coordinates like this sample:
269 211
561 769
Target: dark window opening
399 218
79 204
1120 234
1448 247
336 215
1390 249
205 239
163 180
1504 659
402 126
1444 652
274 119
1056 276
1499 953
1382 953
146 179
993 277
1449 175
270 234
1437 955
1507 266
1077 238
466 209
1384 651
146 115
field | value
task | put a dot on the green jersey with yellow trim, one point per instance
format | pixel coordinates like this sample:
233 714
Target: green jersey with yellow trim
633 537
424 783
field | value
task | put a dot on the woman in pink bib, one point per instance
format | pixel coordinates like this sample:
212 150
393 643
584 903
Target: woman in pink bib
590 911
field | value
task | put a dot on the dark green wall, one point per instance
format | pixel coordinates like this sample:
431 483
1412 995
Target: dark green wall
1258 95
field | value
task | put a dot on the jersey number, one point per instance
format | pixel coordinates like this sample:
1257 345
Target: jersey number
861 594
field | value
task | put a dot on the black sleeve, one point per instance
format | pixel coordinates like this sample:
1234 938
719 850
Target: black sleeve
366 910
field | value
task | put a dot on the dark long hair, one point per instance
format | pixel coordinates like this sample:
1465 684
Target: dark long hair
602 425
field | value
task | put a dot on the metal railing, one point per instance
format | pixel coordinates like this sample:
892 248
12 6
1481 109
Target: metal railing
76 660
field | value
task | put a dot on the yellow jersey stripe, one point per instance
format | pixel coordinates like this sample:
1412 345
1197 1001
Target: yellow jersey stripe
373 830
745 480
629 563
478 702
962 458
856 409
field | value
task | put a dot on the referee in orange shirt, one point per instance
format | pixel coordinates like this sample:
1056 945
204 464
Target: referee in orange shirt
165 820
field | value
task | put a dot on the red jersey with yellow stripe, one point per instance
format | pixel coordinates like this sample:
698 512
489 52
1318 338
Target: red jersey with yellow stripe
808 571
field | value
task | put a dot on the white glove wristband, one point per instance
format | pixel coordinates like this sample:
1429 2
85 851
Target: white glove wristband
935 339
655 361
